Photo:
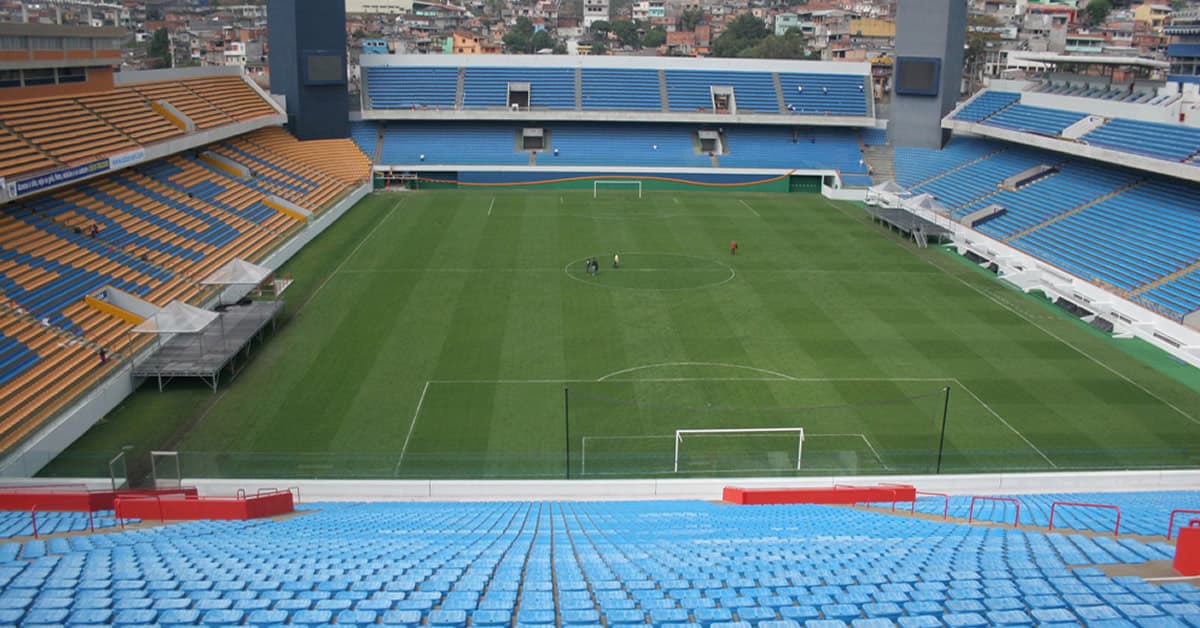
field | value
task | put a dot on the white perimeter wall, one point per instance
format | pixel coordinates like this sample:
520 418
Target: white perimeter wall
707 489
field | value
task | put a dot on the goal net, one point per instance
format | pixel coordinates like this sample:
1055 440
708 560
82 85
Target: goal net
700 435
724 428
622 187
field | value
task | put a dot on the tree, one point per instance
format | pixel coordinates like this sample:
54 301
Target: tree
690 18
560 48
655 37
745 31
1179 5
790 45
981 36
627 33
158 49
601 28
1097 11
541 40
519 39
599 48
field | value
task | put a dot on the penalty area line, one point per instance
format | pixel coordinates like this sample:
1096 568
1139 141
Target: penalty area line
491 205
412 424
749 208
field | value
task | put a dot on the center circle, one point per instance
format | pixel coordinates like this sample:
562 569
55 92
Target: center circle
652 271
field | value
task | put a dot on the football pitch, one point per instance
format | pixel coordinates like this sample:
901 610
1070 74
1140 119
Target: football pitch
459 334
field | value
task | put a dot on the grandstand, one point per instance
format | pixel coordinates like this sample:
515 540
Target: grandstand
453 339
142 183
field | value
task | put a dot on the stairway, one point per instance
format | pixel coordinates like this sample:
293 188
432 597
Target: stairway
1146 287
458 88
779 93
578 89
1075 210
662 90
882 161
378 143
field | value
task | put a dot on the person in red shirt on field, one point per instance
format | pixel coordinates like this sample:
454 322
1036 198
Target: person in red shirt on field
733 247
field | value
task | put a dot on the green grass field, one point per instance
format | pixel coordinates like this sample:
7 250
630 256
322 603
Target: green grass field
434 334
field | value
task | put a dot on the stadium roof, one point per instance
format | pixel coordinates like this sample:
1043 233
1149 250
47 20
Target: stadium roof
1050 57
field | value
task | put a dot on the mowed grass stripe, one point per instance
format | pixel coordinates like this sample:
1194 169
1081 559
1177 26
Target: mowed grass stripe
443 291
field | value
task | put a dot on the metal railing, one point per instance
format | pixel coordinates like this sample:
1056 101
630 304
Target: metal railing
974 498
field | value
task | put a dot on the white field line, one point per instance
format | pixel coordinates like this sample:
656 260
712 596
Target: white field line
1044 330
491 205
749 208
1006 423
770 376
411 425
348 257
531 269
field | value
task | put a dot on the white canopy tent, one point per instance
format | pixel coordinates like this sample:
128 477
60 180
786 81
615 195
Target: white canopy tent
887 194
177 317
237 272
925 202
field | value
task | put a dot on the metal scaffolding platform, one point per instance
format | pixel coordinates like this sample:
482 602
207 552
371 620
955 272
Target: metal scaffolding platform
205 354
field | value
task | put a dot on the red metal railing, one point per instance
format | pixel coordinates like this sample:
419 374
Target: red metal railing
33 518
893 489
944 496
971 512
1055 505
1171 522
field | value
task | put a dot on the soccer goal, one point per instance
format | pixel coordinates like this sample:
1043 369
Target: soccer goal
693 434
625 184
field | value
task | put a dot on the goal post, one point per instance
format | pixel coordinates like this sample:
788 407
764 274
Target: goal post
625 183
799 431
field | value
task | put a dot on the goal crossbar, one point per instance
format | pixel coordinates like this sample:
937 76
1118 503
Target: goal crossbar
596 186
799 431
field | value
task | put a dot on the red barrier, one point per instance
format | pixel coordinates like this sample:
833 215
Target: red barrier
1171 521
75 499
1187 550
945 508
971 512
841 494
1116 529
177 508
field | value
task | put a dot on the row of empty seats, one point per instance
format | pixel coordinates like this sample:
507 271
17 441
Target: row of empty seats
1030 119
1172 142
634 144
633 89
1115 93
574 564
1078 218
45 133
